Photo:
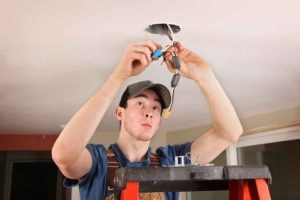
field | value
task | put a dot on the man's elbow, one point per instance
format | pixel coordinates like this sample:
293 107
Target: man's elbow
59 157
235 134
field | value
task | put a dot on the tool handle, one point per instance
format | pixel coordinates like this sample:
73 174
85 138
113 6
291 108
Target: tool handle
158 53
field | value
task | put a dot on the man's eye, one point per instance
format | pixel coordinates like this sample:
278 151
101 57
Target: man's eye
156 108
140 104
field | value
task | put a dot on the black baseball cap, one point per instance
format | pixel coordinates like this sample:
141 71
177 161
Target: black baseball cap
135 89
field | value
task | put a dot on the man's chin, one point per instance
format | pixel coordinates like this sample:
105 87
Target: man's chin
146 138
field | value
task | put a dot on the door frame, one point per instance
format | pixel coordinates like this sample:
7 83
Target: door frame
266 137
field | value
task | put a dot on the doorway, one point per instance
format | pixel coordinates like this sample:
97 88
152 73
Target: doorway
31 175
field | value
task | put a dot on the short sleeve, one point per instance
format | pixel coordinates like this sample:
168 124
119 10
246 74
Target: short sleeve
167 154
94 183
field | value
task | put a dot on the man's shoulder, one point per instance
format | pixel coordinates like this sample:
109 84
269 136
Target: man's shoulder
99 147
168 153
175 147
97 150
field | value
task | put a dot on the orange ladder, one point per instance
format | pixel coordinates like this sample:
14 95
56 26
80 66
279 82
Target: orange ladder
243 182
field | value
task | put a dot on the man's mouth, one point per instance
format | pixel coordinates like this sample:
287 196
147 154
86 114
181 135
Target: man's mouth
146 125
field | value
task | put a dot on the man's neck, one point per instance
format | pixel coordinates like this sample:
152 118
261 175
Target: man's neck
134 151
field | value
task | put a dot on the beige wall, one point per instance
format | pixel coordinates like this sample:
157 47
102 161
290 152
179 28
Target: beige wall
278 119
252 124
105 138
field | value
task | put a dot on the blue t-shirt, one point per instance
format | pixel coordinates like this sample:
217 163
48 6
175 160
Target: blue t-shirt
93 186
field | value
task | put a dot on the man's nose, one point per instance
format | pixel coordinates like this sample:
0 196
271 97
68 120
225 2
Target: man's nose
148 113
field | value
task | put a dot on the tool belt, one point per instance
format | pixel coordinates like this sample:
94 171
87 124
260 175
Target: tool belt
113 165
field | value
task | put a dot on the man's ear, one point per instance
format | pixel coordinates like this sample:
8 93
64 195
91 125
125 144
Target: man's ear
119 113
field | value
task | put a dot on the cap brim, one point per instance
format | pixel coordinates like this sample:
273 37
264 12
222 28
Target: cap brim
162 91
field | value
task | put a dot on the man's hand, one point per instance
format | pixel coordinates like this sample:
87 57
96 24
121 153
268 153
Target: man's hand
192 65
136 58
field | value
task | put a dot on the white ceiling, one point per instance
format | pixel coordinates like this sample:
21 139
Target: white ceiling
55 54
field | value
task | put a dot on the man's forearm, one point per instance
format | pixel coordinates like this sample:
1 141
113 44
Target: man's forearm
225 119
83 124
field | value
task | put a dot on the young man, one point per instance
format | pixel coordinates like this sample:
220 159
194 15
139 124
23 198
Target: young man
139 113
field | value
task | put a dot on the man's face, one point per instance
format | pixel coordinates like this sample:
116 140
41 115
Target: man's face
142 116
